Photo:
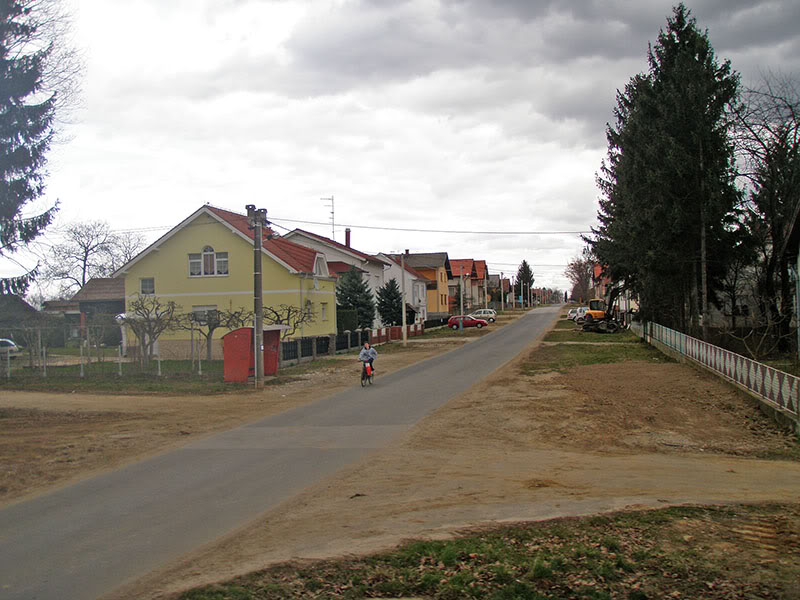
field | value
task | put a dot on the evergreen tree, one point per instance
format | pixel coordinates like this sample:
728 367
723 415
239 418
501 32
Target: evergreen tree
524 281
354 293
27 111
668 194
390 303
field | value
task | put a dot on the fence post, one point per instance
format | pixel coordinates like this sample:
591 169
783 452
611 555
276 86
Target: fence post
44 366
331 344
8 364
199 365
119 359
313 348
299 349
159 365
80 345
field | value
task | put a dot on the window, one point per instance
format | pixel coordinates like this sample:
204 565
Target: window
147 285
208 263
324 310
195 265
200 314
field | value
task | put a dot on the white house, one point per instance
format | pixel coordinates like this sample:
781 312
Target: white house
416 286
342 257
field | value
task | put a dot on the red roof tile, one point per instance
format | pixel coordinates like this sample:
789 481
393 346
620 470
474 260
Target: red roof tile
462 265
296 256
336 267
480 269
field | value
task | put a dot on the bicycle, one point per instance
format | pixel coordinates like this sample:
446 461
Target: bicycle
367 374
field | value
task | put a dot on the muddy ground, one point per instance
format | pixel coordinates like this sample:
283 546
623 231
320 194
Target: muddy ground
515 447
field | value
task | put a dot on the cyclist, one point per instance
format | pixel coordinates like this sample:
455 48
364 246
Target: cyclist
367 355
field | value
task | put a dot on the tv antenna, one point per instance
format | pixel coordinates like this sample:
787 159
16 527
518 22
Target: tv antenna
333 232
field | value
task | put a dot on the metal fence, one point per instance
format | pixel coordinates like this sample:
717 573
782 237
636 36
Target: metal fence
775 388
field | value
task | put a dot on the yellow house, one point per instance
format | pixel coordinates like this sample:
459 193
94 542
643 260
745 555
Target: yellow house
206 263
435 267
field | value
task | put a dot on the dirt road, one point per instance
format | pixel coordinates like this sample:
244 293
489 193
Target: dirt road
522 448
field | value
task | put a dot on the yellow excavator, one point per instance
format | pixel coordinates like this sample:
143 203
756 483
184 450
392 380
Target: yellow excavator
600 315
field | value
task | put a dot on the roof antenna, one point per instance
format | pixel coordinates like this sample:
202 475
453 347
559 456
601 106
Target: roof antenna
333 233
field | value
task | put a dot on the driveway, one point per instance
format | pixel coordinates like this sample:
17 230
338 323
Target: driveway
85 540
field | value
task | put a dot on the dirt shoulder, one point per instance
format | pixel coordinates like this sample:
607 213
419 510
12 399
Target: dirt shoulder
51 439
527 443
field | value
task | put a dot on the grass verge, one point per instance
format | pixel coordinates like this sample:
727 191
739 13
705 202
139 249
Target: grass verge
563 357
562 335
683 552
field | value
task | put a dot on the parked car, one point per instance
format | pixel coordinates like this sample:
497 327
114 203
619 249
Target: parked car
467 320
9 349
580 315
571 314
487 314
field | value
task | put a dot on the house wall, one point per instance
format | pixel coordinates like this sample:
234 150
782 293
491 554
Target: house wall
416 295
374 275
169 267
438 297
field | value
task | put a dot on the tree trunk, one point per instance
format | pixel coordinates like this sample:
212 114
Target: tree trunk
703 274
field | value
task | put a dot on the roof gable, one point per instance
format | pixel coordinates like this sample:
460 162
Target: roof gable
294 257
101 288
338 246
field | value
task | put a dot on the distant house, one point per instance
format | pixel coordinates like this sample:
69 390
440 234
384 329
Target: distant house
102 296
206 263
344 257
14 312
475 275
462 275
416 288
435 267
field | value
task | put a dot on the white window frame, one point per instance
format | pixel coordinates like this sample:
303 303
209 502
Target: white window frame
141 286
209 256
323 311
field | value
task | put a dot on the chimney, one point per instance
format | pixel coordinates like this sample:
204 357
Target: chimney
347 237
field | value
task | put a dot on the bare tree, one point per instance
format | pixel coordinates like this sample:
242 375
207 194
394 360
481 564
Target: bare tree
292 316
580 271
149 317
207 322
90 249
768 132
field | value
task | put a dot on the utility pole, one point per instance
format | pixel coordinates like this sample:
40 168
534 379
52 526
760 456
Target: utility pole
486 288
461 298
257 219
403 293
502 293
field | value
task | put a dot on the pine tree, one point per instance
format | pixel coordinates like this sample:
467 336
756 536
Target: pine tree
390 303
667 184
524 281
27 111
354 293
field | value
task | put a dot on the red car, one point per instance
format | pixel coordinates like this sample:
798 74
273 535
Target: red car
467 320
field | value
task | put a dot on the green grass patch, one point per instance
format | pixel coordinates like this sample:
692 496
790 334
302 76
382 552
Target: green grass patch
563 335
682 552
563 357
568 324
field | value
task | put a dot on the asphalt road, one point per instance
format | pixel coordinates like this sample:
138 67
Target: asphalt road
85 540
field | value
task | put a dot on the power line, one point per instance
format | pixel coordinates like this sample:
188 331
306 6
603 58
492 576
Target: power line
417 230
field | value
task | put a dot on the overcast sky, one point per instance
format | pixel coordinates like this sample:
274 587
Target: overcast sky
435 114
